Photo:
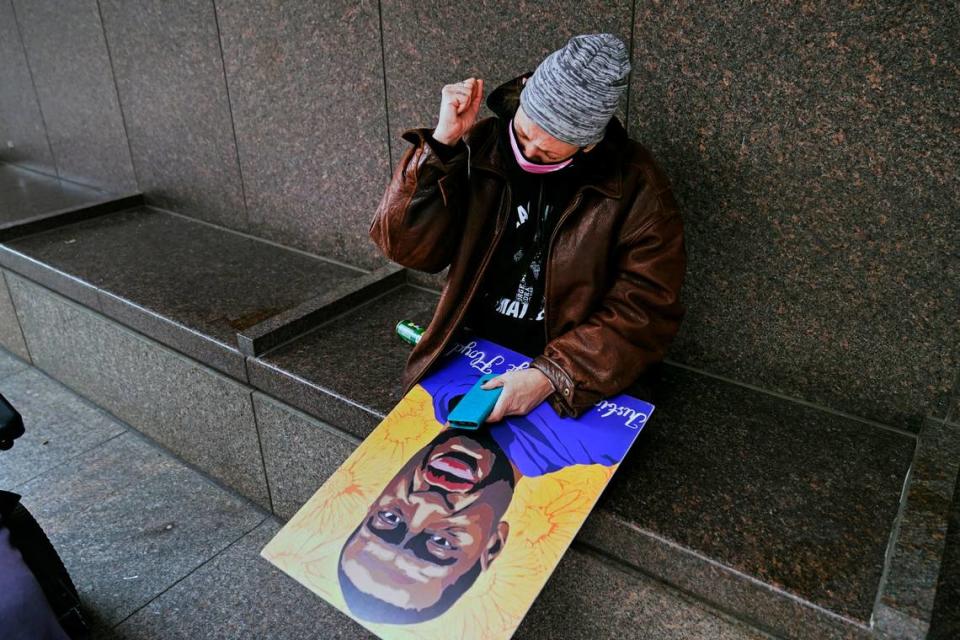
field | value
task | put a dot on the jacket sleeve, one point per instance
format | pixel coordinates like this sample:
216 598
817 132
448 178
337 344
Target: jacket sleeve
419 219
634 323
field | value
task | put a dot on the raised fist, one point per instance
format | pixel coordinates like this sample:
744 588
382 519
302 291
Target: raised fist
459 105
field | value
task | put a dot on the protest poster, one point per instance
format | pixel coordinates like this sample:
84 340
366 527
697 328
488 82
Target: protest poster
427 531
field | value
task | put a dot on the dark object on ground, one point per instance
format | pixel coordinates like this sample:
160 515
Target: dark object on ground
25 547
11 424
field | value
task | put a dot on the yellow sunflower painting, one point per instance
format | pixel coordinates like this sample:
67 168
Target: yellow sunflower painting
427 531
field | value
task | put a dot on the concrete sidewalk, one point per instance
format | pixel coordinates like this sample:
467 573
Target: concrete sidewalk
158 550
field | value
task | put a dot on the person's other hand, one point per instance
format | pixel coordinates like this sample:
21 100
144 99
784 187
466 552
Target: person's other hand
459 104
523 390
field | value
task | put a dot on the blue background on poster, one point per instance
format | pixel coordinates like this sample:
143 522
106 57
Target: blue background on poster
542 441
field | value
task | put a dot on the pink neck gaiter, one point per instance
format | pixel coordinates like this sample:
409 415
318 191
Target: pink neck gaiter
533 167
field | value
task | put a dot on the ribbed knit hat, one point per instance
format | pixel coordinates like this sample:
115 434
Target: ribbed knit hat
575 91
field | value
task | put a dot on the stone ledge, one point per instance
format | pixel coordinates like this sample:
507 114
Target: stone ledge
347 371
775 511
68 215
32 201
790 495
187 284
585 598
906 604
945 623
342 298
86 350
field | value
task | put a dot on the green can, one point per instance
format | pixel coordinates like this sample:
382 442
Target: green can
409 332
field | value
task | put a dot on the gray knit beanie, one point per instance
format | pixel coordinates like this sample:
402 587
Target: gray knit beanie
575 91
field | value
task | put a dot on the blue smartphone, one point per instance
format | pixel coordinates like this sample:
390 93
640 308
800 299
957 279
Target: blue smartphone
475 405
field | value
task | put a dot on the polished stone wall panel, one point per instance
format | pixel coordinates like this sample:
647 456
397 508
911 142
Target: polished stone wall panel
23 138
28 196
299 452
170 79
71 68
10 364
203 417
811 147
430 44
11 337
306 87
954 414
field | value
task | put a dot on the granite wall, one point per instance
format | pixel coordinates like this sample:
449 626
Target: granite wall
812 147
67 57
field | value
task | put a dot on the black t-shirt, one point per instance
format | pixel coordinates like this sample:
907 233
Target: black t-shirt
508 306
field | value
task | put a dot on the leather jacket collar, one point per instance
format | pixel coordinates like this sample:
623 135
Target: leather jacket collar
604 174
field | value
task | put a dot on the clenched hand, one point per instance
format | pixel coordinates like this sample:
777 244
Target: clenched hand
459 105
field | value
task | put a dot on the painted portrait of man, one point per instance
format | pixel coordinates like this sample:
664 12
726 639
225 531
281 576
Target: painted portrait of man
435 526
439 522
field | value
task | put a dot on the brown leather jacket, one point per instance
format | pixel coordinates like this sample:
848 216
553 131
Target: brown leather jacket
615 264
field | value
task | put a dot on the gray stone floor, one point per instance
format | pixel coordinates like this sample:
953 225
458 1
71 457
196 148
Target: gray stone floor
158 550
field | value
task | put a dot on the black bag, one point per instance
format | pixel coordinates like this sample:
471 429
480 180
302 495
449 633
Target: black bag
11 424
28 538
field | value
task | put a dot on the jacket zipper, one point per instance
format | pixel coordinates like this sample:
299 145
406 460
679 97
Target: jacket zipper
476 282
546 284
